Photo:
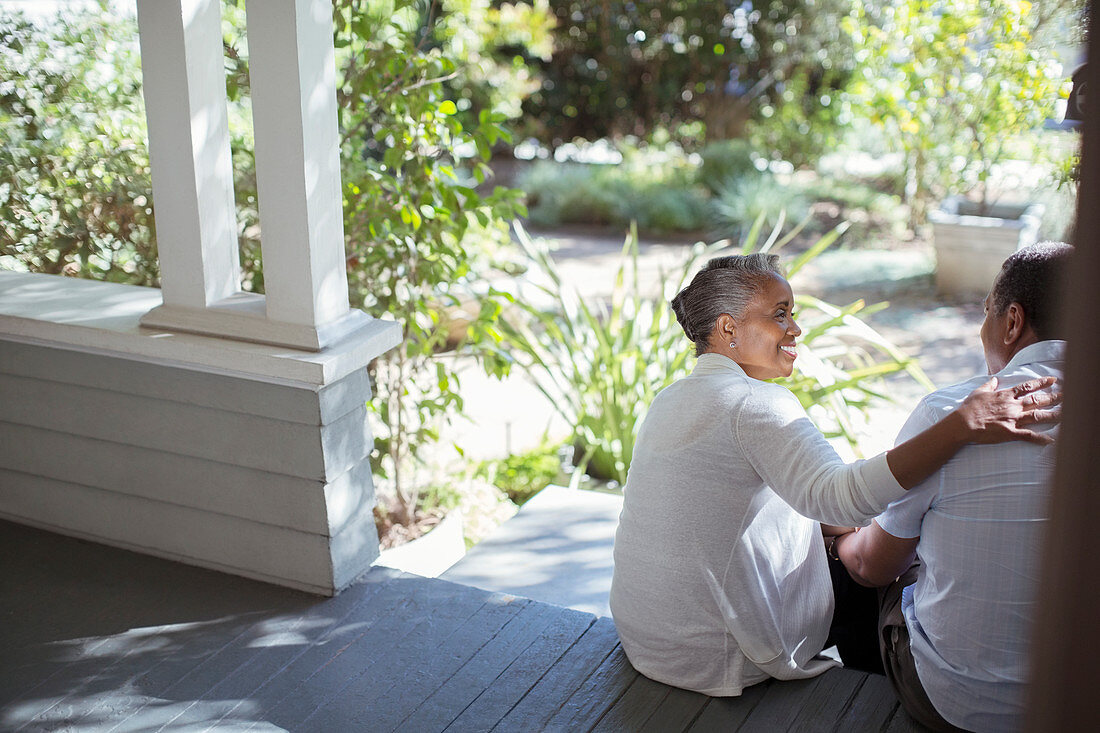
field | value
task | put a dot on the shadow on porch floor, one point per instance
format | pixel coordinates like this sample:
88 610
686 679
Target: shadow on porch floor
96 638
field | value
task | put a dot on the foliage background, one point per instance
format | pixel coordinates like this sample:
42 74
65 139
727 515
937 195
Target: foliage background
716 116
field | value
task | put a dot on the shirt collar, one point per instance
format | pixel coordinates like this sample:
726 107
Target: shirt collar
1052 350
714 363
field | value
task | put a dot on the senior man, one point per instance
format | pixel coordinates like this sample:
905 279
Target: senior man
954 628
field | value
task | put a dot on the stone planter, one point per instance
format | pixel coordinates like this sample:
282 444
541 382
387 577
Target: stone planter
970 248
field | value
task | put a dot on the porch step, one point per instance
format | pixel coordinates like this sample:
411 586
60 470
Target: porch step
556 549
96 638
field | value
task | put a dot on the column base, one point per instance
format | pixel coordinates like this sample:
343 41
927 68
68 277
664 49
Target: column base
243 317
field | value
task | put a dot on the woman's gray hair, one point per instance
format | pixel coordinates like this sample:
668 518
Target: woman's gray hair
724 285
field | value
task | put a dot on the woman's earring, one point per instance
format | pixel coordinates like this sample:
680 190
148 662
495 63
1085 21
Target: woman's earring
733 344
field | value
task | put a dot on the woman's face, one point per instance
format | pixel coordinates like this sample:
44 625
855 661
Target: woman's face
765 334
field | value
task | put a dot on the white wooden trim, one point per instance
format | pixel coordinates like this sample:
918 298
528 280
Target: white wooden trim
183 74
105 318
293 83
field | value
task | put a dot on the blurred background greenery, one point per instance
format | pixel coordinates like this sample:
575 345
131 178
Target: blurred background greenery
751 122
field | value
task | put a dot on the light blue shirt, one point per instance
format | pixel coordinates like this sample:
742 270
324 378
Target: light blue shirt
980 520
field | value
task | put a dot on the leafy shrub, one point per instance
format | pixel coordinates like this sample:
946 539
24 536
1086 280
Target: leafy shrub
75 191
419 223
566 193
867 208
742 201
600 365
657 199
661 208
523 475
725 161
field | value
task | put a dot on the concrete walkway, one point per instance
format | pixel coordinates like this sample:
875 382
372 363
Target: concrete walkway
557 549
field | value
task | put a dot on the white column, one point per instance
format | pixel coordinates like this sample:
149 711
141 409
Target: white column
293 81
293 77
184 85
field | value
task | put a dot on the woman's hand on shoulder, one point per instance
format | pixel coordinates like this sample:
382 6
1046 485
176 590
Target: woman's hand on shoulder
991 415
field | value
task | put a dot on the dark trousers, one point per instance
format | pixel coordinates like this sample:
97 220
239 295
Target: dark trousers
897 657
854 629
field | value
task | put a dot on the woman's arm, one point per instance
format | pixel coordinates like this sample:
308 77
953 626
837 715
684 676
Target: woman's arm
833 530
988 415
773 431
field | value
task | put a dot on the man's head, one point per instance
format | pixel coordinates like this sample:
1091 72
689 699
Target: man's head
1022 305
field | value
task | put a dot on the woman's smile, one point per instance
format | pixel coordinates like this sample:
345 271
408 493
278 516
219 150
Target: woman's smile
765 335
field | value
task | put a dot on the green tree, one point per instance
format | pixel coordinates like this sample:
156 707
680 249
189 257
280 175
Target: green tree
74 168
420 228
632 68
954 84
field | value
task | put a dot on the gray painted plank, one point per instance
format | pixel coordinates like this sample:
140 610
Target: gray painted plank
63 701
633 709
522 674
431 605
832 697
257 673
131 643
903 723
872 707
253 396
309 505
81 632
779 707
567 675
421 675
595 696
440 708
263 443
443 641
677 712
58 602
231 544
272 498
722 714
785 700
320 622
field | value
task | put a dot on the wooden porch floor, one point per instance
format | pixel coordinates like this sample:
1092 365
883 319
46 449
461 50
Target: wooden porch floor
96 638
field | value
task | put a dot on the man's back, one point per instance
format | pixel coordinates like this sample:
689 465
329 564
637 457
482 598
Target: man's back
980 521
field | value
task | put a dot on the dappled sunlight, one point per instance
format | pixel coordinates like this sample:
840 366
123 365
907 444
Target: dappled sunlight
98 713
123 631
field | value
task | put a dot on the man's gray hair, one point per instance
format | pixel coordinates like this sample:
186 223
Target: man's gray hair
724 285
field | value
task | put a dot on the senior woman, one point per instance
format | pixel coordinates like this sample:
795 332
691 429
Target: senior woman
721 578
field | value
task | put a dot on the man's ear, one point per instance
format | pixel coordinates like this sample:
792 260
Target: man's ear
1015 326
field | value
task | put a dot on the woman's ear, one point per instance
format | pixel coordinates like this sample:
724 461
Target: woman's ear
726 328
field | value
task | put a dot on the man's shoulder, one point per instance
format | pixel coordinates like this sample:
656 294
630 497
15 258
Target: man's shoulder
950 397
